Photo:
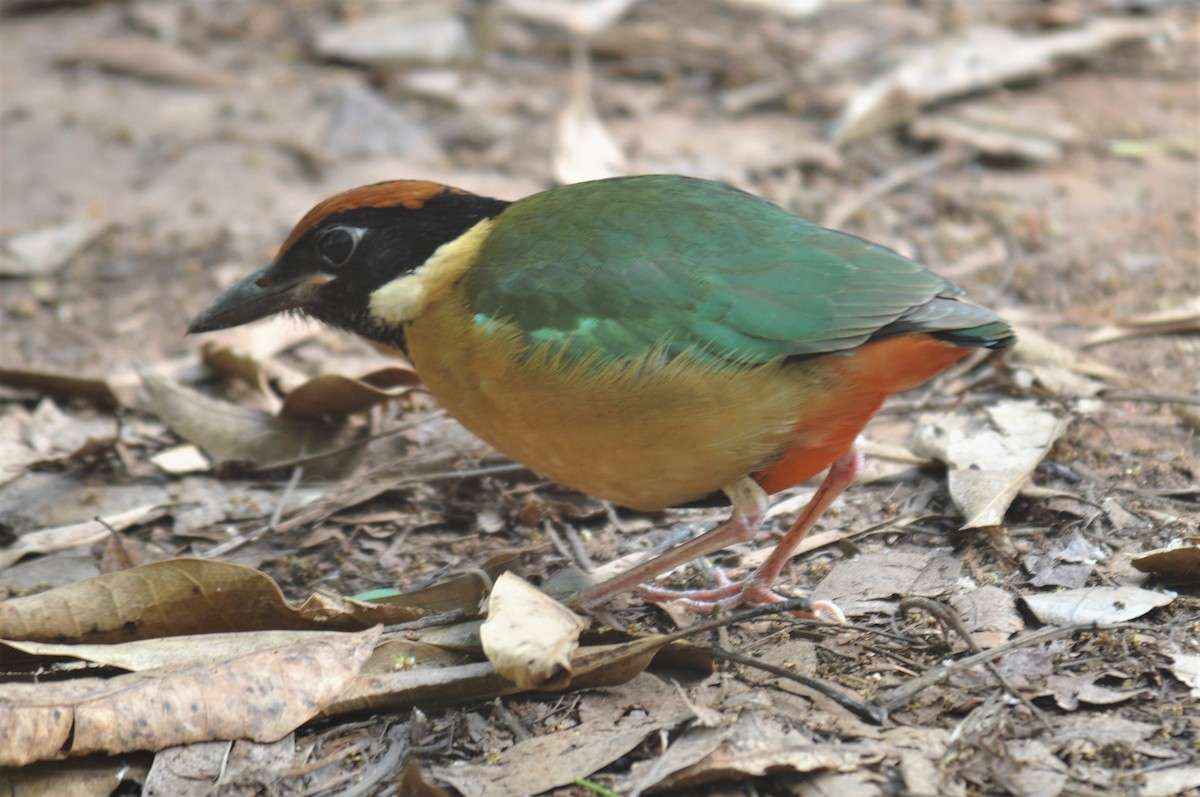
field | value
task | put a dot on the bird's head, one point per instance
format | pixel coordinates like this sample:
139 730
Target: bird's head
348 248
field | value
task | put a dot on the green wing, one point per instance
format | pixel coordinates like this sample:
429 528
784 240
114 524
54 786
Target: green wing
617 268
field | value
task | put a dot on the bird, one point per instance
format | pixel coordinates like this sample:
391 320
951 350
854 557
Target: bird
651 340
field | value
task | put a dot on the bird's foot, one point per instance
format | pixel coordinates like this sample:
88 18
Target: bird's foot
729 595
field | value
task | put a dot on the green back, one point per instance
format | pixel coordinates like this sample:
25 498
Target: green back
616 268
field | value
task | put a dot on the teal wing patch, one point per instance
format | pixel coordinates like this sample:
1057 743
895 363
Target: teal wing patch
618 268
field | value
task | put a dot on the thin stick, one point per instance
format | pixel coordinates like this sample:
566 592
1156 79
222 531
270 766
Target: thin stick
950 619
874 714
902 694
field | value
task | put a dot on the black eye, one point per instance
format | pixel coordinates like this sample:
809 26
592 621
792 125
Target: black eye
336 246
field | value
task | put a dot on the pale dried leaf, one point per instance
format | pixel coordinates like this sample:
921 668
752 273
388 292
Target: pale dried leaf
1035 770
181 459
528 636
989 459
1034 348
1170 782
976 59
417 32
583 148
88 777
70 536
583 18
190 650
1186 667
1185 318
149 59
999 133
280 689
788 9
190 770
1095 604
44 251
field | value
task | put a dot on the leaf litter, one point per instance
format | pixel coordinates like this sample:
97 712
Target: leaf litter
1096 480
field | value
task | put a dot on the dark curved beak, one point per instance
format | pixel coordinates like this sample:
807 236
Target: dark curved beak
259 295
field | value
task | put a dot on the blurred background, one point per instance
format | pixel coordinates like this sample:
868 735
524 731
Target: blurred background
1037 152
1043 154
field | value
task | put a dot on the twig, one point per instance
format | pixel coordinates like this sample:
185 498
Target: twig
875 714
510 721
396 746
871 713
902 694
950 619
569 546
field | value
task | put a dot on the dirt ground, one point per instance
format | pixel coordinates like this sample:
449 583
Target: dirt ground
152 153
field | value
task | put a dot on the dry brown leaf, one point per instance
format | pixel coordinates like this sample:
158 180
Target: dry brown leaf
870 583
258 373
191 770
759 745
463 592
149 59
1182 560
1071 689
528 636
69 536
263 696
1094 604
413 783
989 458
177 597
612 722
693 746
231 432
54 384
336 395
90 777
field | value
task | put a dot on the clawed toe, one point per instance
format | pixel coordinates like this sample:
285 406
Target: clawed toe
732 594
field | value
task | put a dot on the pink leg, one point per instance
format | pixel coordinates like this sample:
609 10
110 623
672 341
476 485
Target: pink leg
757 588
749 505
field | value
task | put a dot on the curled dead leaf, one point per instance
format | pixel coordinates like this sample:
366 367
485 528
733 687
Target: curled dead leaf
528 636
232 432
337 395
